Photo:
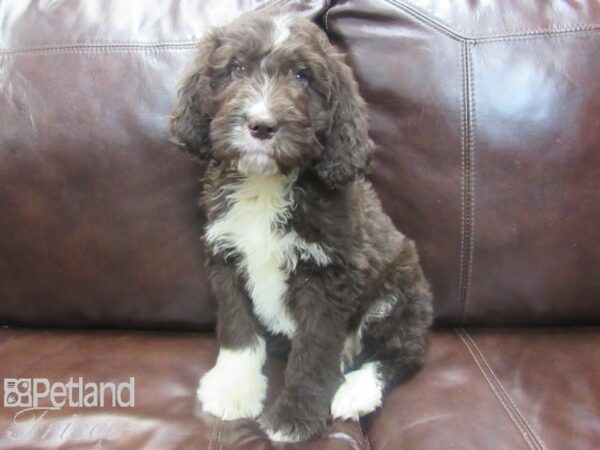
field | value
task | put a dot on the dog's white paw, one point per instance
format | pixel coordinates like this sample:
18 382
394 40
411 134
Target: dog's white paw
360 394
235 387
228 398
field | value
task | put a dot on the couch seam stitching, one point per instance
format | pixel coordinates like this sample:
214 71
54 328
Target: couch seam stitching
119 47
221 427
267 4
437 24
115 43
471 180
326 19
467 184
461 334
212 435
539 441
107 49
554 35
190 45
365 437
462 169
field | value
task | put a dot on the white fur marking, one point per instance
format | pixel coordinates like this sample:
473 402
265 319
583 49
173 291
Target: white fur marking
256 155
304 251
278 436
260 109
352 347
235 387
380 309
281 31
259 205
359 394
258 103
256 160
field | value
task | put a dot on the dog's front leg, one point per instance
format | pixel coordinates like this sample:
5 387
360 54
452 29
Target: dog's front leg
235 387
312 375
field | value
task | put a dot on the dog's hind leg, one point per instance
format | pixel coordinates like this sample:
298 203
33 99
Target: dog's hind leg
392 338
382 363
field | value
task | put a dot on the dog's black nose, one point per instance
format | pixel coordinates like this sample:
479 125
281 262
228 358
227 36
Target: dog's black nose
262 128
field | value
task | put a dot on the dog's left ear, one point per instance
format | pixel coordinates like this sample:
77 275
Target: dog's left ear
347 147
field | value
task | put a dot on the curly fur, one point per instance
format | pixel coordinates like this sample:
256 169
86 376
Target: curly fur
300 253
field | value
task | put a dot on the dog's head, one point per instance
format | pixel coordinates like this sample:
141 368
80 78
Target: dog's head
269 93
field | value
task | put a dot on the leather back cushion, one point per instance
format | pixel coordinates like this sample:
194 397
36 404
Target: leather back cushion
486 121
487 117
99 224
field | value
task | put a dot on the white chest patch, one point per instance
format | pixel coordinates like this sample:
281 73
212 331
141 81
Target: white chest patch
251 227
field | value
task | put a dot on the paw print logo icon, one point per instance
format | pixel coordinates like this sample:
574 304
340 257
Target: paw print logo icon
17 392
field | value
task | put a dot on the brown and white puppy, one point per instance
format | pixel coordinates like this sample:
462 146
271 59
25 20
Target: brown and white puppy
298 246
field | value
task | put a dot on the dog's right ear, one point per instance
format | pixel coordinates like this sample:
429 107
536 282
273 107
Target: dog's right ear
189 122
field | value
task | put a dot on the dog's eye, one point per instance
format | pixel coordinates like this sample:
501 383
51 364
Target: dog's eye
237 69
301 75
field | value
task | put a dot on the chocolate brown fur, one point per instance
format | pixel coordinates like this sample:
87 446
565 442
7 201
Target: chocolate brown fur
322 137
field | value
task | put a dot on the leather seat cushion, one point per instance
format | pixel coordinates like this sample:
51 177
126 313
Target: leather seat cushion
492 389
531 389
166 414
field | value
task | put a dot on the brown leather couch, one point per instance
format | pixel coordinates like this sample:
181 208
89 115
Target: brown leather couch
487 119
